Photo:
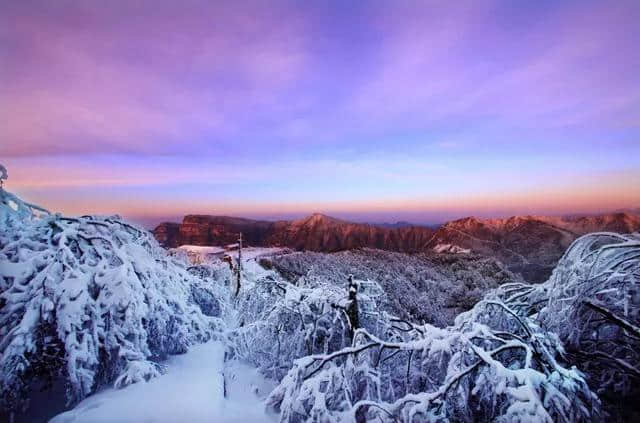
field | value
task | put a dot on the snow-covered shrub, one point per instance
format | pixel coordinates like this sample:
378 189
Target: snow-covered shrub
592 302
468 372
280 322
504 360
14 211
210 289
91 300
431 288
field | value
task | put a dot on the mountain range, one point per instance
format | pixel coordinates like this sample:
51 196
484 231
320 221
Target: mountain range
529 245
317 232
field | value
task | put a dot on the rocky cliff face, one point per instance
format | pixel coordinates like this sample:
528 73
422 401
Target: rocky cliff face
315 233
167 233
323 233
221 230
529 245
613 222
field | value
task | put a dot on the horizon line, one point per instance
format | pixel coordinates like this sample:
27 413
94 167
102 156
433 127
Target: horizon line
635 211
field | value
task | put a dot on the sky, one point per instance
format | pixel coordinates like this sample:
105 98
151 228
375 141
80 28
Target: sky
366 110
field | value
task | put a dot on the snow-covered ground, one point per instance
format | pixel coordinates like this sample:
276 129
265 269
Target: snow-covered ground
197 254
192 390
257 252
202 249
449 248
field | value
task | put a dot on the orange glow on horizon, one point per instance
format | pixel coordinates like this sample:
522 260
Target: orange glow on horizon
607 194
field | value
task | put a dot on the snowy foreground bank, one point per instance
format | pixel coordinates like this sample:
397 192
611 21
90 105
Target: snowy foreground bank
192 390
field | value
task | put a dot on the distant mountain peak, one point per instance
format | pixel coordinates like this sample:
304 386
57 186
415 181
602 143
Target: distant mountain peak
465 221
319 219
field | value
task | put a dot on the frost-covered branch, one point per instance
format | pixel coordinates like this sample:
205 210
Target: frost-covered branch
468 372
624 323
592 302
91 301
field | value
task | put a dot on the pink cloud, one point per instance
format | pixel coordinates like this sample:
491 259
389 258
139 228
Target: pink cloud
445 65
117 83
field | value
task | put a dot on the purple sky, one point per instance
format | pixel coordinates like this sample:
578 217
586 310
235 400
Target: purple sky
367 110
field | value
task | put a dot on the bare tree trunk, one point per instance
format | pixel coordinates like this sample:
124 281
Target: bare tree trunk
352 307
239 270
224 375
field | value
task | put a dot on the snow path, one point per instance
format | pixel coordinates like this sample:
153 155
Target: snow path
190 391
192 388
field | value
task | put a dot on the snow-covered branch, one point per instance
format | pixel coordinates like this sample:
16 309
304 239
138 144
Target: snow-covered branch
468 372
592 302
91 300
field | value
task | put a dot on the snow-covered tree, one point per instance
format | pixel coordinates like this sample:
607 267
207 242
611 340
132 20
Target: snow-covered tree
280 323
433 288
491 365
14 211
592 302
514 356
505 369
91 300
